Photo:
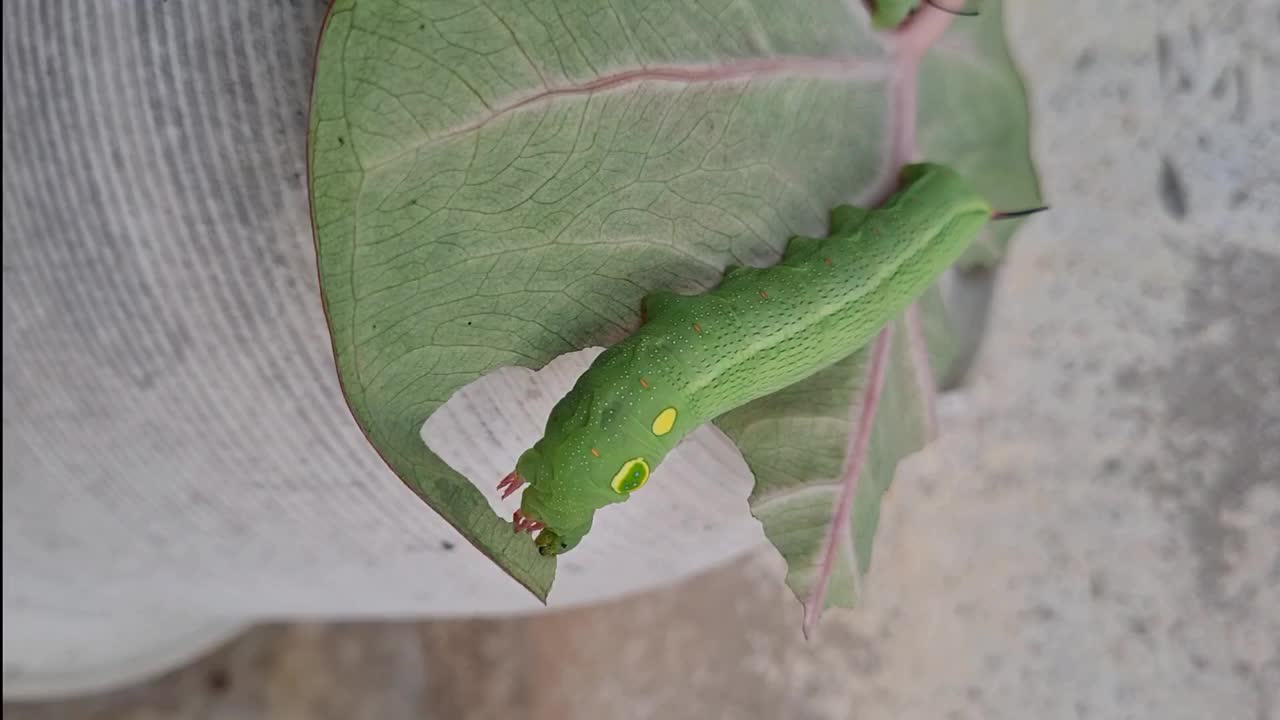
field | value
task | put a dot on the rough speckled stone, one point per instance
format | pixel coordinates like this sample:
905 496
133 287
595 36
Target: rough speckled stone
1097 535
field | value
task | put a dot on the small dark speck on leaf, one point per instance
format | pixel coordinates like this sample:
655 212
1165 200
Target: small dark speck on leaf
446 544
422 26
341 141
1172 192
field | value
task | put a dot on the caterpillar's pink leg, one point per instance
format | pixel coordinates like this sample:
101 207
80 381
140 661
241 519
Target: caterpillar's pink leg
521 522
509 484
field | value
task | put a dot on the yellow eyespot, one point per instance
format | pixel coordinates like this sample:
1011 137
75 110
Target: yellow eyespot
633 475
664 422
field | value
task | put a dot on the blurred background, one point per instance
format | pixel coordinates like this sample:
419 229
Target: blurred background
1095 535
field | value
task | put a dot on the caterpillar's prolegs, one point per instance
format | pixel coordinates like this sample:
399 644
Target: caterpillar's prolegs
509 484
522 522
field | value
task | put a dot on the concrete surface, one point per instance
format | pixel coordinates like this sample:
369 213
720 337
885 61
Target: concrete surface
1096 536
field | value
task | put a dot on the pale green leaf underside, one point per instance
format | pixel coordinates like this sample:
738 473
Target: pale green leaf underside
497 185
973 113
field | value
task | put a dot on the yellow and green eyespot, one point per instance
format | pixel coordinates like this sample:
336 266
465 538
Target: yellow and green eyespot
633 475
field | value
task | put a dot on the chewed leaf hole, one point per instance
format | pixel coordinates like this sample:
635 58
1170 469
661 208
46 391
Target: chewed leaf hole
692 516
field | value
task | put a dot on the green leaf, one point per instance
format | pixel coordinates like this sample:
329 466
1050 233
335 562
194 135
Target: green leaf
496 185
818 488
973 116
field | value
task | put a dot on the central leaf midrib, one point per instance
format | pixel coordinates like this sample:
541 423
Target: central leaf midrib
816 67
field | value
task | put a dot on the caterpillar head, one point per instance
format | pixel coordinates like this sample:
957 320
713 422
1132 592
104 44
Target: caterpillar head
554 539
550 542
552 503
566 487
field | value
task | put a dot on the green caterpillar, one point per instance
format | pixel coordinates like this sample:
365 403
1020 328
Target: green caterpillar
887 14
696 357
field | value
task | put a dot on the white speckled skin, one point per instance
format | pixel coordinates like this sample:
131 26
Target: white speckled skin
758 331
